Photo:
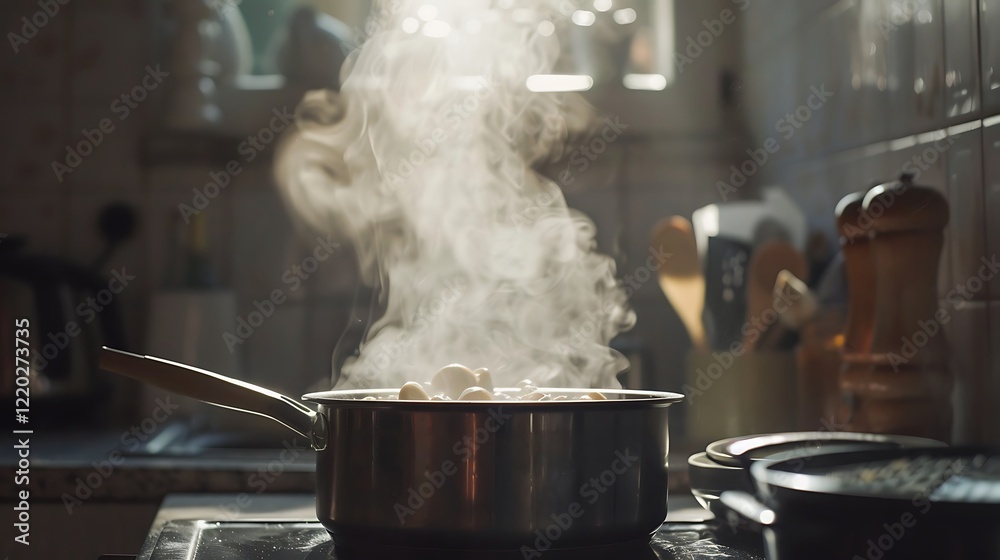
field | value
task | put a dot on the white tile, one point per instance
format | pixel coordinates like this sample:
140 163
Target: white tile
991 195
916 84
962 86
967 229
989 32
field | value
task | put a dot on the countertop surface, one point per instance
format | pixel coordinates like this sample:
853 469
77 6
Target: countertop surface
96 466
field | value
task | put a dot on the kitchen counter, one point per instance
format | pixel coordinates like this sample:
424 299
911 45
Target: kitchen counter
95 467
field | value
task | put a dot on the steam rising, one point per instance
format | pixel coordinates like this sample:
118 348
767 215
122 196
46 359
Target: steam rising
424 162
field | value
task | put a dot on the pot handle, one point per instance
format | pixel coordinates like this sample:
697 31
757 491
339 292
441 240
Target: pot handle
743 509
218 390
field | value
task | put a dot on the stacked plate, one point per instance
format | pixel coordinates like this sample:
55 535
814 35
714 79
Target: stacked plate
725 464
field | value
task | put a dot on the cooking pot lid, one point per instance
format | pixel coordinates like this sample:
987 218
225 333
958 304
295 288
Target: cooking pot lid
743 451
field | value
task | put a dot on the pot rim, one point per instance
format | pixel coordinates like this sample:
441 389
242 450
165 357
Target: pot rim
632 399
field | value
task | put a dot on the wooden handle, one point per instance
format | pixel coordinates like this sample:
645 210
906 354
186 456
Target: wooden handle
680 276
766 264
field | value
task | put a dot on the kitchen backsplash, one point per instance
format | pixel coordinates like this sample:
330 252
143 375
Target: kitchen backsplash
910 86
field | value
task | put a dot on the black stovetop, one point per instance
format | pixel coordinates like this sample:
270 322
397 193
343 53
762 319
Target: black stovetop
197 540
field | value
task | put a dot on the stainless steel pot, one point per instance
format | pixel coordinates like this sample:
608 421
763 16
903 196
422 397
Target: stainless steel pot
520 475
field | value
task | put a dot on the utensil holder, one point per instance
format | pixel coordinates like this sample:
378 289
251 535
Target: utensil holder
730 395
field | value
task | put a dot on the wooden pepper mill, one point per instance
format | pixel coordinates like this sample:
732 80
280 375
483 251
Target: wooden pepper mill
901 383
854 243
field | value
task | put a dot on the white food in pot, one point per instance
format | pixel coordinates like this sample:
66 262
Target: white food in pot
484 379
453 379
413 392
457 382
476 394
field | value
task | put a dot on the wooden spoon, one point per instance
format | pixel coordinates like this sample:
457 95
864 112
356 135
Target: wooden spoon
680 275
766 264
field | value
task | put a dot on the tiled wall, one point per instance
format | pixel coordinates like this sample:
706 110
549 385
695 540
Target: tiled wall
910 78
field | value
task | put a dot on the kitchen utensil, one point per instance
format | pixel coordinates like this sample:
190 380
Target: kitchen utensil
924 503
733 392
765 265
903 384
725 464
726 263
801 304
462 474
680 276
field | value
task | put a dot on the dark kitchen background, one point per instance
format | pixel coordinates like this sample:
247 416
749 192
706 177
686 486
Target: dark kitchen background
136 169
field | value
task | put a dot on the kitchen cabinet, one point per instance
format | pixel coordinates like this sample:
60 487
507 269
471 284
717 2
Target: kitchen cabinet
989 33
961 68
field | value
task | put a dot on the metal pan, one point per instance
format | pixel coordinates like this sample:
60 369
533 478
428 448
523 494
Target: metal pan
520 475
892 504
